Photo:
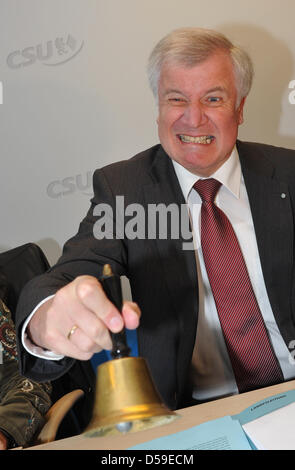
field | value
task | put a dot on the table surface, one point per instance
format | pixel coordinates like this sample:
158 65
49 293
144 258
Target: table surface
188 417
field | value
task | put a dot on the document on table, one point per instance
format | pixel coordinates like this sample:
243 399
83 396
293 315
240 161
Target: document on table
219 434
269 424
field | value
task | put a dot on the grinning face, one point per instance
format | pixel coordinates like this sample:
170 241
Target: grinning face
198 115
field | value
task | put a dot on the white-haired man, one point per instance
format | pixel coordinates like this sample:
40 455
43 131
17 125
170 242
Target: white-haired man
214 320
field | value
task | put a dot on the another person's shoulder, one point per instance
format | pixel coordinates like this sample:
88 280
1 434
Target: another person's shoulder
7 334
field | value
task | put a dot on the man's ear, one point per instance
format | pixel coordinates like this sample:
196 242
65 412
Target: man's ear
240 111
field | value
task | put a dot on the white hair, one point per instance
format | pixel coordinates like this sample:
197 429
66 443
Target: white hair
191 46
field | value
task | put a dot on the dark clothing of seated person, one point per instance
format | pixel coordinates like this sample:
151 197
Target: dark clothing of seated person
23 402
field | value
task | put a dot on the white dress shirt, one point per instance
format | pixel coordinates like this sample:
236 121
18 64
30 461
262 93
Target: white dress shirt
211 367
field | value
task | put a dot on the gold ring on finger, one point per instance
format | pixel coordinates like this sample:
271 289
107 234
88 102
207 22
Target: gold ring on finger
72 331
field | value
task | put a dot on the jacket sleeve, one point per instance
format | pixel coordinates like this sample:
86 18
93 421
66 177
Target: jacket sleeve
84 254
23 403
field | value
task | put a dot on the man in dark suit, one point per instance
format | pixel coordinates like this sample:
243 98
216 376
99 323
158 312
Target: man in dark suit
182 291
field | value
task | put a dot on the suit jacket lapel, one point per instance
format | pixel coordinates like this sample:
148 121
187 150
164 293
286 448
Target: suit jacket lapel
178 265
273 221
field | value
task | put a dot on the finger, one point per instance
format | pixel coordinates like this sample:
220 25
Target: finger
81 342
93 328
131 314
76 345
90 292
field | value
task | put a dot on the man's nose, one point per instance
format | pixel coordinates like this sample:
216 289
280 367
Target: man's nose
195 115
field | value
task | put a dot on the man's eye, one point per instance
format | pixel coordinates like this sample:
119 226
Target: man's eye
214 99
176 100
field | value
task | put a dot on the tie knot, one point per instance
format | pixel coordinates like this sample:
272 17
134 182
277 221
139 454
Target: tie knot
207 189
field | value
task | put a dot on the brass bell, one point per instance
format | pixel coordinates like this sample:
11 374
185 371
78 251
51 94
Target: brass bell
126 397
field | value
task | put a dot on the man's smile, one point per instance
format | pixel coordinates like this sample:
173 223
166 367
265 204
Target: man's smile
200 139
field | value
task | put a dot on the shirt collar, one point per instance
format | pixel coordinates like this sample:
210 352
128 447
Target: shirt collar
229 174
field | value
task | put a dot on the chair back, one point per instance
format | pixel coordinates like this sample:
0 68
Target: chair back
19 265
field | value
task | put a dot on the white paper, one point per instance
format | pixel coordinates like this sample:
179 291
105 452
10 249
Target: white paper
273 431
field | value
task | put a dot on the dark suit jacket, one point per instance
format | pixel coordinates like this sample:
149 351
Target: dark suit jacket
162 275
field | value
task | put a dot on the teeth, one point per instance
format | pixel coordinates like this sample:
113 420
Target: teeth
204 139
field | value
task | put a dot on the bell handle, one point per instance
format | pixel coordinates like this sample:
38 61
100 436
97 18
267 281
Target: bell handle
111 284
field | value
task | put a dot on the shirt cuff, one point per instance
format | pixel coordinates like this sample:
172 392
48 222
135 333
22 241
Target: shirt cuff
32 348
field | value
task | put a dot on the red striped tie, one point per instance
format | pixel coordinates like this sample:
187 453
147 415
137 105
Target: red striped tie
253 360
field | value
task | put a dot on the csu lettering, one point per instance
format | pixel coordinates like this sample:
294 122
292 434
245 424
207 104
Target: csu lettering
69 185
29 55
61 50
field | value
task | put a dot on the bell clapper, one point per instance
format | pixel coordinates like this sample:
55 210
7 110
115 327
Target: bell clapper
125 426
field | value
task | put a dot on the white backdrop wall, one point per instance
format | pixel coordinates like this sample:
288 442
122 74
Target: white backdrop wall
75 96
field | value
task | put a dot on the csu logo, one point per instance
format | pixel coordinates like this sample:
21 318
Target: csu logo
70 185
53 52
